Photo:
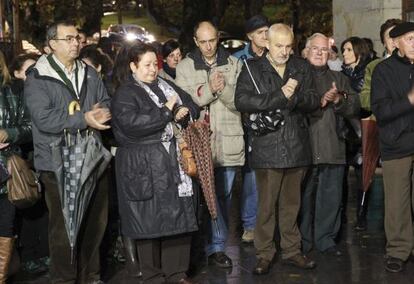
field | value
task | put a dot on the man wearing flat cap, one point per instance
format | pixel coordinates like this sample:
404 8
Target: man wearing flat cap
256 31
392 102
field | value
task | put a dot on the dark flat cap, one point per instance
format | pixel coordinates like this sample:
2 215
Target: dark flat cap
401 29
256 22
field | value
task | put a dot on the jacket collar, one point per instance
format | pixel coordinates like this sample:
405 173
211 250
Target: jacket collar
266 66
199 64
44 68
250 51
319 70
402 59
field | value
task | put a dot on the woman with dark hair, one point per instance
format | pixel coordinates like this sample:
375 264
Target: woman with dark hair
101 62
356 54
15 129
155 195
372 52
33 221
95 57
171 53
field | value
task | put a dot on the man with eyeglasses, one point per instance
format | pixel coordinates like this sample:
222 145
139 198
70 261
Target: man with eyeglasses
279 80
320 216
56 81
392 103
209 74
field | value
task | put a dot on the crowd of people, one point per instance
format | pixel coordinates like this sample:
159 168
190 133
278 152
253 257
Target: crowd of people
290 124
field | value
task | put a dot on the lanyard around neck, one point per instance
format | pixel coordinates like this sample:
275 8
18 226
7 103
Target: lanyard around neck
63 76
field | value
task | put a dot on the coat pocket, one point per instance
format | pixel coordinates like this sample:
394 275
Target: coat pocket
232 150
140 187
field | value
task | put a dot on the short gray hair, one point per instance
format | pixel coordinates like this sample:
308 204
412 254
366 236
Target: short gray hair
52 29
315 35
279 28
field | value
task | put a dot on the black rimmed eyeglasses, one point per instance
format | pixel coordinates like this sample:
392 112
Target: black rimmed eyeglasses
70 39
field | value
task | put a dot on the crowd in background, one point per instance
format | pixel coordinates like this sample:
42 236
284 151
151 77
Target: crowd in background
151 214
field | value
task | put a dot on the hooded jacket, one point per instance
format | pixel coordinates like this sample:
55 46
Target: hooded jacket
47 98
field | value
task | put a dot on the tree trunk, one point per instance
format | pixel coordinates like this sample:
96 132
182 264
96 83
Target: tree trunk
16 28
295 8
92 11
194 11
63 8
2 20
219 10
119 4
138 8
158 14
252 7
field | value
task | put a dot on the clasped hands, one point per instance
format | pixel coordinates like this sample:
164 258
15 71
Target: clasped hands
289 88
332 95
181 112
216 82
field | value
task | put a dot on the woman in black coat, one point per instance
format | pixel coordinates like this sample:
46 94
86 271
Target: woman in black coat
15 130
155 195
356 55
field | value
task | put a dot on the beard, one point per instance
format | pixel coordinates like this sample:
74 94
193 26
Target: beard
281 60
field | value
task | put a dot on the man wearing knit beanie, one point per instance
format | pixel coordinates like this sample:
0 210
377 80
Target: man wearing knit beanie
256 30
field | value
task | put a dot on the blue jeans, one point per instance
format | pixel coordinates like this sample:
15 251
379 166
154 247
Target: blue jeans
218 230
248 208
320 215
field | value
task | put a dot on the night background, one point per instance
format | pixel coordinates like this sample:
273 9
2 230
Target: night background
163 18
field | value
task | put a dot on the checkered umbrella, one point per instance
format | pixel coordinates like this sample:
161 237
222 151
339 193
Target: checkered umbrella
83 159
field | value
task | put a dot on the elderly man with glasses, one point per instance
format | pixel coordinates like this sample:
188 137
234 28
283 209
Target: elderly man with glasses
322 187
56 81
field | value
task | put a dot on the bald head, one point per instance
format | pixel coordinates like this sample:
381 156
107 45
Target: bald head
204 26
280 43
278 30
206 39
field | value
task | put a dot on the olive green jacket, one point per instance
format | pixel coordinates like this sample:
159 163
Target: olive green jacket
365 95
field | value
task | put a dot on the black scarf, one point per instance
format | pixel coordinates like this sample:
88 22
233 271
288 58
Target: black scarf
170 71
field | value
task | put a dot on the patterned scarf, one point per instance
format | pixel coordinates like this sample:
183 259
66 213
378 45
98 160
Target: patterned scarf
185 188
